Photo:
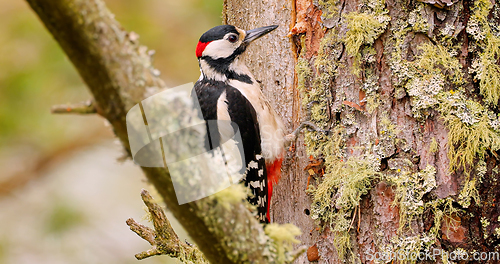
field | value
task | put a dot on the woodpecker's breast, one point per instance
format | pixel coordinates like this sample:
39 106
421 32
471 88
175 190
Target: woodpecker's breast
270 125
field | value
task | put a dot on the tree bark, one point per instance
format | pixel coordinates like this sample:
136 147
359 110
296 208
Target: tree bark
409 91
272 60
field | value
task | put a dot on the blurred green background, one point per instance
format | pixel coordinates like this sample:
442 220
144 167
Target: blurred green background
64 197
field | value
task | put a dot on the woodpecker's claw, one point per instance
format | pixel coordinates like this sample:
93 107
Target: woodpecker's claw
292 137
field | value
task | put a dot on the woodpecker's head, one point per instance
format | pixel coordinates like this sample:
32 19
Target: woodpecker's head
219 48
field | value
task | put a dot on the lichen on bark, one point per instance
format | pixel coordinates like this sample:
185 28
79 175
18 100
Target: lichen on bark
413 58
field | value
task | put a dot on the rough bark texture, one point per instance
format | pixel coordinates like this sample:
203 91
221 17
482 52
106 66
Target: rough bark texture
410 92
272 60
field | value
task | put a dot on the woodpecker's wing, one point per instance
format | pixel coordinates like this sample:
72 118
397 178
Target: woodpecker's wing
219 100
243 114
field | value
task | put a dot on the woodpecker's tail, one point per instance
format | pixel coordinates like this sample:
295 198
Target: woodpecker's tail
260 178
255 178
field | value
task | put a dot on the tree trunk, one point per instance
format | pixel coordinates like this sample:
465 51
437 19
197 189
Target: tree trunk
409 91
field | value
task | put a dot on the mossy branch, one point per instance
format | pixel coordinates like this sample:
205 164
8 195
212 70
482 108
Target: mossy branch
163 239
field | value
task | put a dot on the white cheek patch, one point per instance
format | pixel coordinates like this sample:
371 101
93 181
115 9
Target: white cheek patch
219 49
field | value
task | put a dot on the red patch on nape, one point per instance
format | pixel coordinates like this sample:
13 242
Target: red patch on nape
200 48
273 176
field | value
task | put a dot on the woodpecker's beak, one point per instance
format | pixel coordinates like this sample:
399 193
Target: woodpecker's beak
256 33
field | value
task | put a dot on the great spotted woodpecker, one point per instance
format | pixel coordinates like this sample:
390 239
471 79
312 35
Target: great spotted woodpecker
227 90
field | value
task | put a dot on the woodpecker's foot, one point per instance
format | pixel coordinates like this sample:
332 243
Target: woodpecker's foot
292 137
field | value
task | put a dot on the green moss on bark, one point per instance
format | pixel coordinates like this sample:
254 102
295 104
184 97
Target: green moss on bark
347 182
486 65
363 29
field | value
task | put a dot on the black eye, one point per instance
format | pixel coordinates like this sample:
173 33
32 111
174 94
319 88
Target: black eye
232 38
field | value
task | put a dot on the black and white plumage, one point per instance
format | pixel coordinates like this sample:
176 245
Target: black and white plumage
227 90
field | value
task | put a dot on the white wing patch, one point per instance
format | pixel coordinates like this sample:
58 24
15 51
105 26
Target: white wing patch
225 129
261 201
255 184
258 184
253 165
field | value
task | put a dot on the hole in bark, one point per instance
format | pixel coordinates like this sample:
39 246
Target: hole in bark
383 164
337 116
277 82
306 211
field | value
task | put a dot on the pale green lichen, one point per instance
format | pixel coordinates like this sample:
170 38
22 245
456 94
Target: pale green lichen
363 29
497 232
433 146
418 22
315 91
473 129
400 67
387 138
283 237
488 71
481 170
430 70
470 133
410 246
486 67
329 9
346 182
485 223
334 198
411 242
326 69
448 31
434 81
410 189
231 195
470 136
371 88
468 193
